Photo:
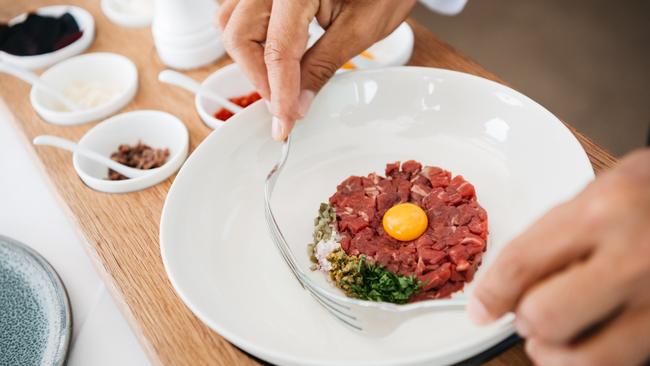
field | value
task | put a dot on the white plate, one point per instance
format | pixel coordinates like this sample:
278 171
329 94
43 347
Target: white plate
214 241
86 24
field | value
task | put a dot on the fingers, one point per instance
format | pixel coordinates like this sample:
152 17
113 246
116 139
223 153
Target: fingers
286 41
625 341
243 36
345 38
547 246
551 311
351 29
223 15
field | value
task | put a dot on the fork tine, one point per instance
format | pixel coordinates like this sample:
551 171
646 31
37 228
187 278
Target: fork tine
327 297
323 299
283 254
278 239
278 235
339 311
335 314
326 303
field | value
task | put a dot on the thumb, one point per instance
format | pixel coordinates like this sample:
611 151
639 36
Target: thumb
343 40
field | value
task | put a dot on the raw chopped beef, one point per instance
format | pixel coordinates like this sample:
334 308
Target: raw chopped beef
446 256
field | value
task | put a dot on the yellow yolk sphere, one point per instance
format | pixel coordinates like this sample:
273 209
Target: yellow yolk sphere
405 221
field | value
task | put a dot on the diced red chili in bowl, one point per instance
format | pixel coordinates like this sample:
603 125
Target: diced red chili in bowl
243 101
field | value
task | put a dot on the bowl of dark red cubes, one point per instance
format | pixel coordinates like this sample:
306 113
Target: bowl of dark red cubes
46 36
229 82
151 140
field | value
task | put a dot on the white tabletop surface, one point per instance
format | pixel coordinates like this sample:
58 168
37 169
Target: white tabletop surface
31 213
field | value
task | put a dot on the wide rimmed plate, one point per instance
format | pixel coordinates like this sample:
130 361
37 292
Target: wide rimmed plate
35 316
214 241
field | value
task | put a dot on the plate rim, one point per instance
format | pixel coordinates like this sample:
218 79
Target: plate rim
63 347
505 325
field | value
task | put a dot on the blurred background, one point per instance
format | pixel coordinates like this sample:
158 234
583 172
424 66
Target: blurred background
588 62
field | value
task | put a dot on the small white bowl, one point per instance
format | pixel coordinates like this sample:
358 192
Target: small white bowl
117 15
108 68
229 81
86 24
154 128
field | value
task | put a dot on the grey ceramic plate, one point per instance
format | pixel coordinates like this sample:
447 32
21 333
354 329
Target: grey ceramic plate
35 316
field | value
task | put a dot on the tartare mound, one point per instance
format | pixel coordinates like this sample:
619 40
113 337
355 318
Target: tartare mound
446 256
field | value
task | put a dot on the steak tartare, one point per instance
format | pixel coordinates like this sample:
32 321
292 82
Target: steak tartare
439 262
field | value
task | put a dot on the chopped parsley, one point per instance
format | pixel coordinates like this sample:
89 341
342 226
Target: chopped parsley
365 280
357 276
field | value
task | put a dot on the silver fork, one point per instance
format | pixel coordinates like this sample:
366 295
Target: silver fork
372 318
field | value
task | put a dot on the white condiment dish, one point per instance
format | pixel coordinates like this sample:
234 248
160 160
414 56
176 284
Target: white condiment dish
229 81
183 81
155 128
86 24
35 81
109 70
129 13
61 143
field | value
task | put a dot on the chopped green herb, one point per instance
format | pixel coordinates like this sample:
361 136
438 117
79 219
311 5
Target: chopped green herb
380 284
365 280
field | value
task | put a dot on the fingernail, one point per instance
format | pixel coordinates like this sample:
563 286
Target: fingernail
304 101
523 328
277 129
477 312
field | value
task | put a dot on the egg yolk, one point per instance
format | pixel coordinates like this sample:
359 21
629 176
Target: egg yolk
405 221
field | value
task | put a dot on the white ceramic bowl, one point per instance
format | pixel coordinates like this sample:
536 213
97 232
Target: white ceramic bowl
86 24
154 128
102 67
228 81
214 240
117 15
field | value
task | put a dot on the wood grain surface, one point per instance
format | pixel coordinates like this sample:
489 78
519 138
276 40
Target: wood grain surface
121 231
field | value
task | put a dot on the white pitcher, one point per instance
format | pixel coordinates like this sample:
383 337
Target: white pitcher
184 33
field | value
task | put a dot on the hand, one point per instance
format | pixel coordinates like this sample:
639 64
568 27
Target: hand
267 38
579 278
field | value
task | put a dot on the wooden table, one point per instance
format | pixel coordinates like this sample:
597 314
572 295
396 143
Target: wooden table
121 231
